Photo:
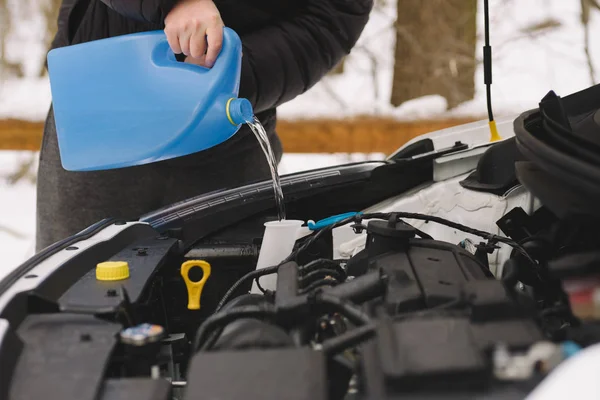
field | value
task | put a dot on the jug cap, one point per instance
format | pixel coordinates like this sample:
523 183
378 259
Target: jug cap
239 111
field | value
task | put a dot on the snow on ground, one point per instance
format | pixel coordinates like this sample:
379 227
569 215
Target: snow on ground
17 202
17 215
25 99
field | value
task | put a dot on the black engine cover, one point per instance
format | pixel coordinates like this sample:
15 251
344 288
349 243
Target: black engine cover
441 356
422 273
427 274
273 374
466 312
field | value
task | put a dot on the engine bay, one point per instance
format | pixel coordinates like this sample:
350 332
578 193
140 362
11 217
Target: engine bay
406 316
369 305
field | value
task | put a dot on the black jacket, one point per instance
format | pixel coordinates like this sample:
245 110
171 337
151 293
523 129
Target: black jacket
288 45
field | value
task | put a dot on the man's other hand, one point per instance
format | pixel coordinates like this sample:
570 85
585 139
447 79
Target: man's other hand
195 28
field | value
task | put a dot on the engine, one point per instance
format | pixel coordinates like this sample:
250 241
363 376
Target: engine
407 316
193 312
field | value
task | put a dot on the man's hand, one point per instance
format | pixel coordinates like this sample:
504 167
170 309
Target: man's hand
190 26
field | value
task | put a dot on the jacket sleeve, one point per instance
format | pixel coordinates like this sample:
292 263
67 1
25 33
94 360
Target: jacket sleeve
152 11
285 59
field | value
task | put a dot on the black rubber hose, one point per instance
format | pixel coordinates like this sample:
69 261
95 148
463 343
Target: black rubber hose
361 289
318 284
422 234
318 263
242 280
510 273
347 340
327 229
320 274
218 320
347 309
463 228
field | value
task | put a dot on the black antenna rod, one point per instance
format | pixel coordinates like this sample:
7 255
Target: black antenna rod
487 72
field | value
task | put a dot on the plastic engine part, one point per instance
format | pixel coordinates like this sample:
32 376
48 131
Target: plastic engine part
273 374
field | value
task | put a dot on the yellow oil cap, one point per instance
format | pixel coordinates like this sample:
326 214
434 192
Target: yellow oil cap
194 289
112 271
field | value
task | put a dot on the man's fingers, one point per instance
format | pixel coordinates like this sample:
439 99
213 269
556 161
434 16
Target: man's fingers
184 42
198 43
173 42
215 42
195 29
197 61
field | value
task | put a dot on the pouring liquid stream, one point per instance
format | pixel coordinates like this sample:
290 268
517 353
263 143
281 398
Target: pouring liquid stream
263 140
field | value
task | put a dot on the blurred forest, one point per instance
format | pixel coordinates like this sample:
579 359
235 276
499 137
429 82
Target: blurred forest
11 12
435 44
435 48
438 38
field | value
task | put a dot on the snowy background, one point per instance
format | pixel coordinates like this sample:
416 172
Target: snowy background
526 64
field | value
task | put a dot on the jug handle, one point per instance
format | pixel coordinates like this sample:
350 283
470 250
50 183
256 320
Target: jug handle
231 49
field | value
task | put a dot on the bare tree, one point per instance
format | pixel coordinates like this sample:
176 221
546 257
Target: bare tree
586 8
25 169
435 50
4 30
6 67
50 10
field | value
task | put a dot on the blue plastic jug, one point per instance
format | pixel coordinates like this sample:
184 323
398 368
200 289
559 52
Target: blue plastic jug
126 101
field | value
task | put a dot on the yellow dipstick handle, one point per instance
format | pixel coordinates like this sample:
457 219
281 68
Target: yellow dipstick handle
194 288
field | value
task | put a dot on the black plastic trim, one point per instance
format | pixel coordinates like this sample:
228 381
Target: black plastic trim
49 251
10 350
259 191
577 178
55 284
327 191
90 295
